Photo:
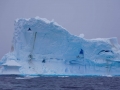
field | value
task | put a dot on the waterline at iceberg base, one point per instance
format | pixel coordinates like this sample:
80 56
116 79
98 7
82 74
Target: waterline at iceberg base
42 47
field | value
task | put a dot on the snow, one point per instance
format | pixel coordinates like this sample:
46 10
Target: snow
11 63
43 47
81 35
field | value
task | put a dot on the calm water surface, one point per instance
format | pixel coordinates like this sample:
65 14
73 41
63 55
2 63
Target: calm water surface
60 83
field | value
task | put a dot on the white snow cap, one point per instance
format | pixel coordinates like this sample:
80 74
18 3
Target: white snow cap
81 35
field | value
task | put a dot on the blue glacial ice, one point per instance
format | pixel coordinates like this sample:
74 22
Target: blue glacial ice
42 47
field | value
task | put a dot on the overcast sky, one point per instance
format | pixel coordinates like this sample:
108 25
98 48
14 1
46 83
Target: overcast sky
94 18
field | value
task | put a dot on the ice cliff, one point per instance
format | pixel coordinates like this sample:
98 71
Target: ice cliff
46 48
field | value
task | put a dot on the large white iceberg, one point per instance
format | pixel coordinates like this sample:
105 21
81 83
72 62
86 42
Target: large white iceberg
43 47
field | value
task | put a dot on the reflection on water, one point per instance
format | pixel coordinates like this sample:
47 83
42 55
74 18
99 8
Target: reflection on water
59 83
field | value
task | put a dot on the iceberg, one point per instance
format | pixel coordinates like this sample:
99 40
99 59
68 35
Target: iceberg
43 47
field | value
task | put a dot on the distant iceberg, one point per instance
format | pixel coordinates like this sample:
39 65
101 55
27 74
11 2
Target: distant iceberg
42 47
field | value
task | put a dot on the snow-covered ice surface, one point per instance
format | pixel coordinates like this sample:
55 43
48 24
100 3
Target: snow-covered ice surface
43 47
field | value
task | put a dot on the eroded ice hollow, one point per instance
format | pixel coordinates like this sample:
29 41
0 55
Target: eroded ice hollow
43 47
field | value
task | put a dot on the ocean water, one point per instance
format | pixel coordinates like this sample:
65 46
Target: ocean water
59 83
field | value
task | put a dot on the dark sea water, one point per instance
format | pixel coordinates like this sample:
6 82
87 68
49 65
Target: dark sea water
59 83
